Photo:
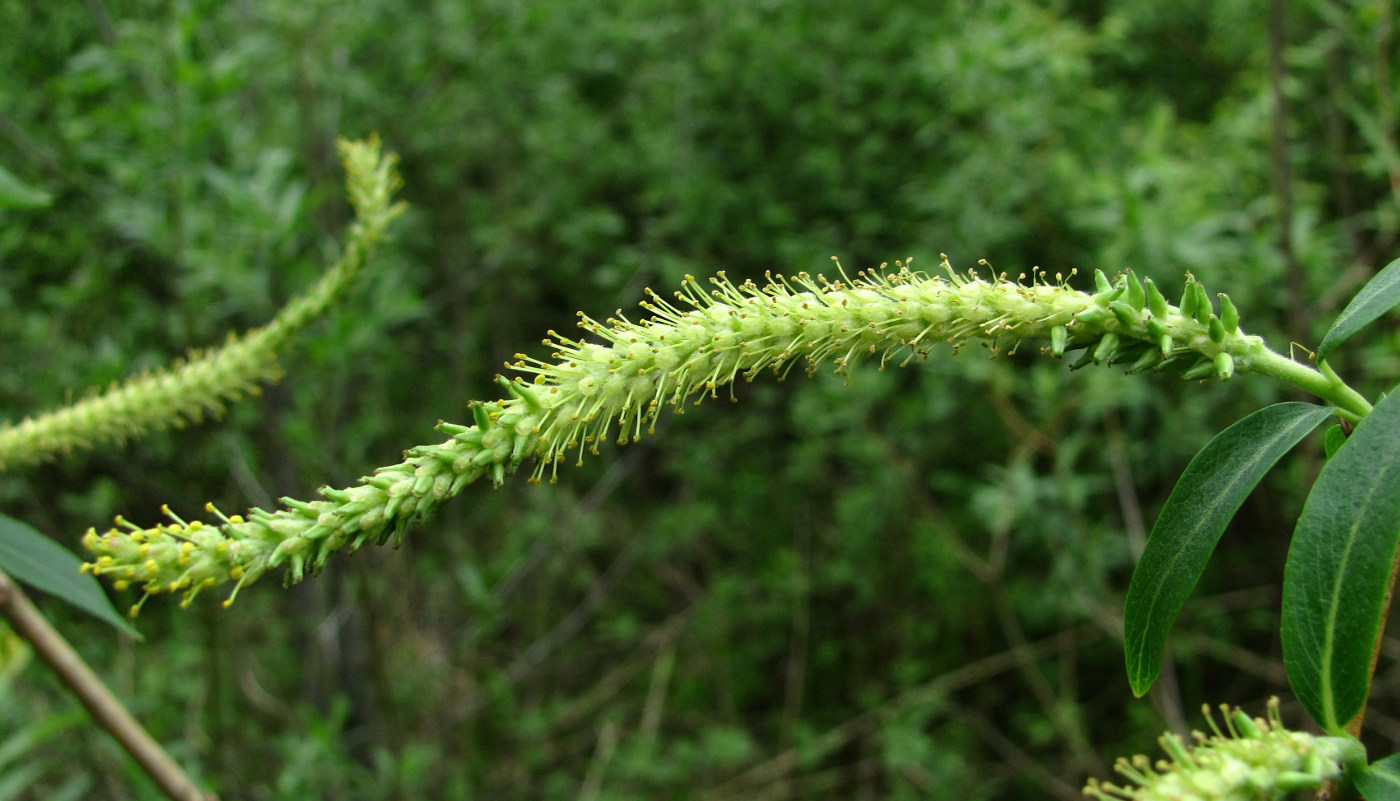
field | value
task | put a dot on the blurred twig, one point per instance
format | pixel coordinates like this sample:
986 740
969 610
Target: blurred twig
85 685
602 755
1165 693
988 570
661 640
1012 754
1281 146
539 651
746 784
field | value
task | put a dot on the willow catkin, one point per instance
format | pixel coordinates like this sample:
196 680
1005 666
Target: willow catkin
616 383
206 381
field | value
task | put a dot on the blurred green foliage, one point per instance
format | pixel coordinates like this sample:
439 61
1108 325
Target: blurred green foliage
886 590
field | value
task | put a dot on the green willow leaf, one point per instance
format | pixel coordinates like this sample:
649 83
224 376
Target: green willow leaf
1379 296
1380 781
30 557
1206 496
1338 571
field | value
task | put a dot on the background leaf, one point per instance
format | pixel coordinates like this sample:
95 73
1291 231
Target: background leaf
1335 438
1338 571
1379 296
16 194
43 564
1207 495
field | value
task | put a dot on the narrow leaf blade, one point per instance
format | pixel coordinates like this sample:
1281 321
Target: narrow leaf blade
1379 296
1338 571
30 557
1206 496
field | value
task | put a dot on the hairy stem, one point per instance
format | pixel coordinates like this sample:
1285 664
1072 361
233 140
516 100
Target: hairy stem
1322 382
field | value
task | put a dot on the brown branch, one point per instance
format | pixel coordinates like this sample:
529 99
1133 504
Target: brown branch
106 710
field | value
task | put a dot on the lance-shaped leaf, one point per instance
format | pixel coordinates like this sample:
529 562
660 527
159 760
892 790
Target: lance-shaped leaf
1336 581
43 564
1379 296
1206 496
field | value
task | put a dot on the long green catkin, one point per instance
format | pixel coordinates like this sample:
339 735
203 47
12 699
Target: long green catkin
688 349
206 381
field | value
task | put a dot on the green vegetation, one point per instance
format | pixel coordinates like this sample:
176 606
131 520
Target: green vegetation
885 590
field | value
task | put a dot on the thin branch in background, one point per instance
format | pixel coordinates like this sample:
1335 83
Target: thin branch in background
834 782
593 779
775 769
1335 125
514 578
796 671
106 710
1237 656
896 459
539 651
656 692
1124 484
1385 725
34 151
1018 759
1071 729
1031 439
1165 694
661 639
1385 109
103 21
1283 176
